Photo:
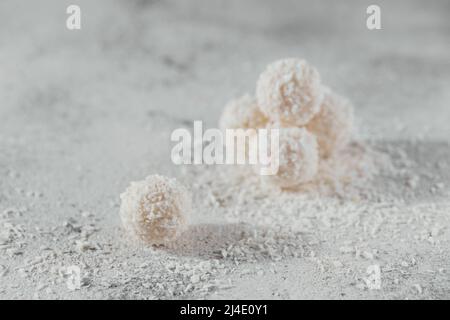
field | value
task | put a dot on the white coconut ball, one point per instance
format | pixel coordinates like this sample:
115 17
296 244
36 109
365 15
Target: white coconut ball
298 158
155 210
333 125
290 91
242 113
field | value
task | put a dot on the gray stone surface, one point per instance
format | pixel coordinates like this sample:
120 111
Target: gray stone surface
83 113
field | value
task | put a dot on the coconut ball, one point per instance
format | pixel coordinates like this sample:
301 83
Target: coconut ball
154 210
242 113
289 91
333 125
298 158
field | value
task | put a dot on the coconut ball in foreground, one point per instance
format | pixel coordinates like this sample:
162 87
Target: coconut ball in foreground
242 113
298 158
155 210
290 91
333 125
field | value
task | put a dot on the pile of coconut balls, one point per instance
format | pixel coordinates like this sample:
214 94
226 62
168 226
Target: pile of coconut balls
314 124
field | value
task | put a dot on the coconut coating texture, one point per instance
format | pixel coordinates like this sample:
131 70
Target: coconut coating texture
290 91
155 210
298 158
242 113
333 125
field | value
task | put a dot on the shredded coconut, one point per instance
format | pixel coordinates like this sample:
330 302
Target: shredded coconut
290 91
242 113
155 210
333 125
298 158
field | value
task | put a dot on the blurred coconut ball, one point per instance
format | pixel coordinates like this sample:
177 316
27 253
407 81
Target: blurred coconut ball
298 157
333 125
290 91
155 210
242 113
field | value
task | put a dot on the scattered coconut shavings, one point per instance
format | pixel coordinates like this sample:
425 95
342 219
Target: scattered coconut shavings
379 203
339 224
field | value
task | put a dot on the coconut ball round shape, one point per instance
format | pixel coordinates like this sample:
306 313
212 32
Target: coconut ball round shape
289 91
155 210
333 126
297 158
242 113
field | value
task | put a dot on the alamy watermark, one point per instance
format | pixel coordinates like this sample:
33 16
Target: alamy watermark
72 274
373 280
373 21
231 146
73 21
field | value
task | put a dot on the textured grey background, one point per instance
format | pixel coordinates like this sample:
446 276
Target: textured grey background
82 113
